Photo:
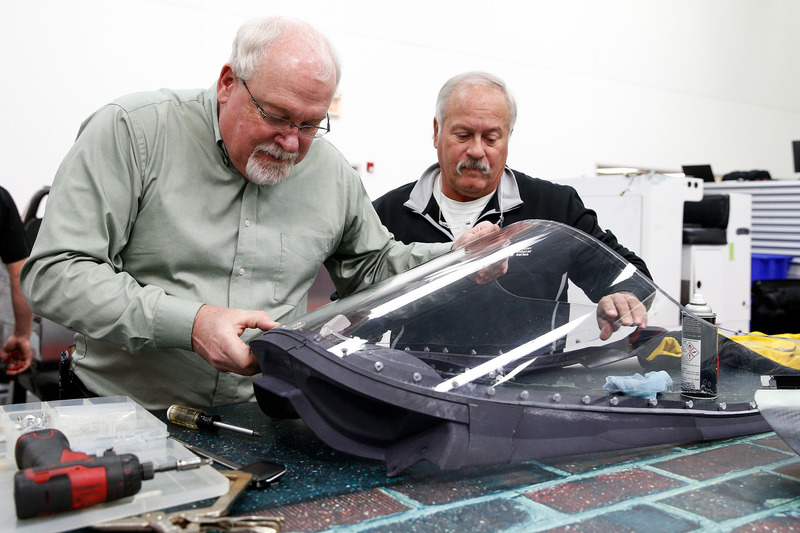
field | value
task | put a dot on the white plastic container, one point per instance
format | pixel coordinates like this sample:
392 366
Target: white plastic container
93 425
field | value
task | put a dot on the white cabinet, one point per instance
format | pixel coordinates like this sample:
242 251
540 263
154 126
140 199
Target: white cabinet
721 273
645 212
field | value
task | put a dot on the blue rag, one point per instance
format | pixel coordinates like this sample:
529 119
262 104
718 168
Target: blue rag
639 386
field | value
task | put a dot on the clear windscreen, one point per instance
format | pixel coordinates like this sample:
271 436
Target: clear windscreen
517 315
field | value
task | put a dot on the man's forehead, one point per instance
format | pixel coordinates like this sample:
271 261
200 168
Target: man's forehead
476 102
472 118
299 94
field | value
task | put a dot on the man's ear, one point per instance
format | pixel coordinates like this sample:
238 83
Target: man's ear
225 83
435 133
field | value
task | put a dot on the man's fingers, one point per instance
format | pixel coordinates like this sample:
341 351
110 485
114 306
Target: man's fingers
606 329
624 307
216 337
265 324
17 366
235 358
248 364
476 232
639 315
17 354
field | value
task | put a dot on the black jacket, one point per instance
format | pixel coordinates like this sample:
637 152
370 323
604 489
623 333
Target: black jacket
411 213
13 240
525 303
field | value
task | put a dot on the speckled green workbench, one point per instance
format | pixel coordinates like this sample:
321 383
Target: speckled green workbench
314 470
743 484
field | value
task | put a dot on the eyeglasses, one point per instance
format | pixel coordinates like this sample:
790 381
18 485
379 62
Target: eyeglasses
284 125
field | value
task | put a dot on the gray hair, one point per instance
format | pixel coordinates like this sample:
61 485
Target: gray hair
254 39
472 79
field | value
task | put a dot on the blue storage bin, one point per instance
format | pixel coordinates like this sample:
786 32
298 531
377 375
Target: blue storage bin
770 266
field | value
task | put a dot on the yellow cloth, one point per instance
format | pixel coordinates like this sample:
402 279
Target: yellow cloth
783 349
667 346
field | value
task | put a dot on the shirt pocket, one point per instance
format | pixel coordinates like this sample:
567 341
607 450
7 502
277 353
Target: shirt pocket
301 258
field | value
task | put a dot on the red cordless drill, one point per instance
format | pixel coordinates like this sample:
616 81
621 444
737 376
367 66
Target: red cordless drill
53 478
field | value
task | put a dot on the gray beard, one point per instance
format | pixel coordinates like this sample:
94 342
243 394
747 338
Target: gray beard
269 172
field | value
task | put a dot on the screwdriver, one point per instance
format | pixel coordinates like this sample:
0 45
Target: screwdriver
197 419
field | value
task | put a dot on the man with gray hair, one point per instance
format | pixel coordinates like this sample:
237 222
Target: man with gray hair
182 224
470 184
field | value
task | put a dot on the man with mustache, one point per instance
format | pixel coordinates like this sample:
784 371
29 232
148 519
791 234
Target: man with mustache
182 224
475 116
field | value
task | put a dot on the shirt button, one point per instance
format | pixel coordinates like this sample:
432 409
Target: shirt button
241 272
247 223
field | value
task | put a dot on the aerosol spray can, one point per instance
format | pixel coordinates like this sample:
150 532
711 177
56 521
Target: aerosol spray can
699 356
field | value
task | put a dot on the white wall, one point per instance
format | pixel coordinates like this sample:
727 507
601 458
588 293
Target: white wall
623 82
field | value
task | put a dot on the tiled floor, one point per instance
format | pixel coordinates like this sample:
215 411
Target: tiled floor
749 484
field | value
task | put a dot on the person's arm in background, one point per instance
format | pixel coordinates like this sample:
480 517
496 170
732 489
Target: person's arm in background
14 250
17 351
627 306
368 253
627 303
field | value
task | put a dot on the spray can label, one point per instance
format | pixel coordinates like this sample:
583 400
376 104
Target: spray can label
699 367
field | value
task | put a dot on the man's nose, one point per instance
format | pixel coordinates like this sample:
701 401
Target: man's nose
289 140
475 148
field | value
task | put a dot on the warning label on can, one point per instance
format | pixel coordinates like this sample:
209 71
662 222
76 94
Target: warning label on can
690 364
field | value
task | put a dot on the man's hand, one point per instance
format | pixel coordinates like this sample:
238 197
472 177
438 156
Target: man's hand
216 337
17 351
620 304
17 354
476 232
485 275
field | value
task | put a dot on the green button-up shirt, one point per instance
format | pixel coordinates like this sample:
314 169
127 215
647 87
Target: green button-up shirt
147 220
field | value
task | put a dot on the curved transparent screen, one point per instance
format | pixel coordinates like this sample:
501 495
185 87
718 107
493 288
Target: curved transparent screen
521 314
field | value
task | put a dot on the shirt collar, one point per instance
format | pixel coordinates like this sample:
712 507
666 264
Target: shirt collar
212 112
421 195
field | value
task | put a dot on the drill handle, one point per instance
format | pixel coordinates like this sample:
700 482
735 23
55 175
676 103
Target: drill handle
44 447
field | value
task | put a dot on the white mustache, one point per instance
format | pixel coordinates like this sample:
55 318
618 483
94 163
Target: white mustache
277 152
474 164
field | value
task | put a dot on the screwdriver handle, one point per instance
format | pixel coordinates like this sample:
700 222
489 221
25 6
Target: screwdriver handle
192 418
